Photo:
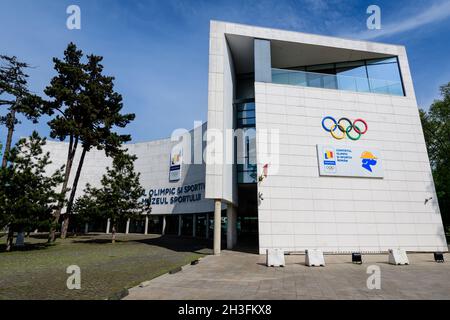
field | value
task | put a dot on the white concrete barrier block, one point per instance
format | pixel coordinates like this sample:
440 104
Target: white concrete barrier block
398 256
314 258
275 258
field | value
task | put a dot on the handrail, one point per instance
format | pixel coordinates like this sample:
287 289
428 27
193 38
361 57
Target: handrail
333 81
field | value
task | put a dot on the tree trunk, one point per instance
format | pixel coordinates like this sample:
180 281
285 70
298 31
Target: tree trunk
72 196
9 238
70 156
65 226
113 233
10 123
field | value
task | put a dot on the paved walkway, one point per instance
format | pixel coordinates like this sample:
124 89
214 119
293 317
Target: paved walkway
237 275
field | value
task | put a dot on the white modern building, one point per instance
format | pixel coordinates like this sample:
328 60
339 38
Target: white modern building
332 154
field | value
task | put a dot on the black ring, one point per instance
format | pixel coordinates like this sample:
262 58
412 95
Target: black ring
345 129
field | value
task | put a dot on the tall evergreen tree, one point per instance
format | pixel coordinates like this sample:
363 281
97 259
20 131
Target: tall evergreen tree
14 95
121 195
28 193
87 111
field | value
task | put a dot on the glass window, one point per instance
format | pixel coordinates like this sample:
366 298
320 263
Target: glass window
245 115
154 224
186 224
246 122
246 176
384 71
322 76
245 106
384 76
291 77
374 75
329 81
246 159
172 224
322 68
354 68
314 80
298 78
318 80
200 225
246 167
281 76
246 142
318 76
246 146
382 61
352 76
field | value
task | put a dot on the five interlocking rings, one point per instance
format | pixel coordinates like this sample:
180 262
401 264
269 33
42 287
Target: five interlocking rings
345 131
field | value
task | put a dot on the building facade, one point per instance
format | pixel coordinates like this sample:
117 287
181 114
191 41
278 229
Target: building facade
178 204
320 146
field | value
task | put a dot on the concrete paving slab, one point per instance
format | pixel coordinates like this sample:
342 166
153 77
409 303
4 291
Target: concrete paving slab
238 275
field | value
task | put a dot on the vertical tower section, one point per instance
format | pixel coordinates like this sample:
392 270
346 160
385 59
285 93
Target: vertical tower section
220 171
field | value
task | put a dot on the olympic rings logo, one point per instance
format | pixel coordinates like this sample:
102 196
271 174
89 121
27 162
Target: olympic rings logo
349 129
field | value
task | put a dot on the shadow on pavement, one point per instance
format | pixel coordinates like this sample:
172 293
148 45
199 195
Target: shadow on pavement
179 244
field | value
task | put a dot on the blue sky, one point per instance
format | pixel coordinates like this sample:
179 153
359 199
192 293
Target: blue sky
158 50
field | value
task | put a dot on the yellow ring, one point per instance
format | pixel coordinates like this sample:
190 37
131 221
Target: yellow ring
334 135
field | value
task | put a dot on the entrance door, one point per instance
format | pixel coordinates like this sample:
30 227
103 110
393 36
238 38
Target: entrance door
247 217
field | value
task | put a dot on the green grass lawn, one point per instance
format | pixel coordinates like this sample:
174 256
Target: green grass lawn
38 271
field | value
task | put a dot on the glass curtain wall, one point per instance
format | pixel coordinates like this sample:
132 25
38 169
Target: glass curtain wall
384 69
375 75
200 226
246 142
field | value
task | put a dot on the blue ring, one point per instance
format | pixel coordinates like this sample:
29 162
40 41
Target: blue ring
329 118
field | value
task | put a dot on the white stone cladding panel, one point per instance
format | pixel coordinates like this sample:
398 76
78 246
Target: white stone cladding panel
152 163
302 210
219 184
220 177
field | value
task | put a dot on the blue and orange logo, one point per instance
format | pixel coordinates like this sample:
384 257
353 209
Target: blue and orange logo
368 160
329 154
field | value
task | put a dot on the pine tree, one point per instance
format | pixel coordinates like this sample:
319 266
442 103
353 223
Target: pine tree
15 96
28 193
121 195
87 110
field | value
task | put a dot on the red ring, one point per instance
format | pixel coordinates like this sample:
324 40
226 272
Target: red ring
357 129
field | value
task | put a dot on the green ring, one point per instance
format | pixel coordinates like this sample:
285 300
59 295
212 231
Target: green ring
357 131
